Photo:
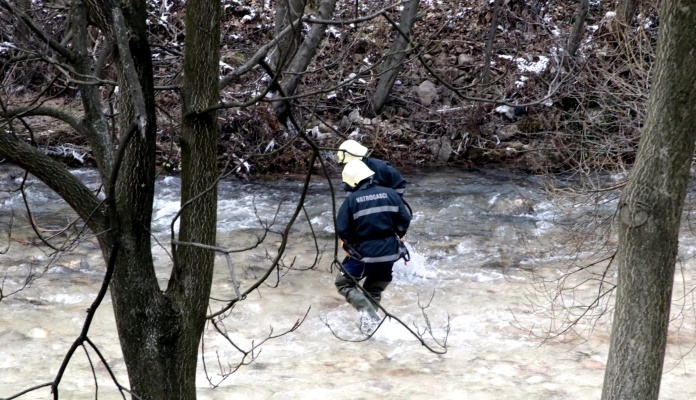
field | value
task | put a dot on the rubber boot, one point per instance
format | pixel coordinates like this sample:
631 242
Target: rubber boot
357 299
353 295
369 318
343 285
375 289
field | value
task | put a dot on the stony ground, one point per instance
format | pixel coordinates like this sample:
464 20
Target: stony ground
539 111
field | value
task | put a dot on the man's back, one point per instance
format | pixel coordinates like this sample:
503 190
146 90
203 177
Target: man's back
370 219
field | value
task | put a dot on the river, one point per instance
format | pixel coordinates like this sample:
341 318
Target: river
487 248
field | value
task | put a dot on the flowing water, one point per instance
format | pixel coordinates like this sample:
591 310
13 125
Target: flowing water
480 242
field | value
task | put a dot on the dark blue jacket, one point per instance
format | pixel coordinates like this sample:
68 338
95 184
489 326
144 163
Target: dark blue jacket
385 174
371 219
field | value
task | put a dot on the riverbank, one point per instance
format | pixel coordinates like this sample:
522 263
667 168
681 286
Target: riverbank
541 112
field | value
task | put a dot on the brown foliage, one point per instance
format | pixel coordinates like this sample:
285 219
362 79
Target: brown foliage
574 114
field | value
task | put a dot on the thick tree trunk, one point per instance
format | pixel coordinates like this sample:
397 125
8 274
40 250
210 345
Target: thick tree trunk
392 64
160 331
192 274
650 211
145 318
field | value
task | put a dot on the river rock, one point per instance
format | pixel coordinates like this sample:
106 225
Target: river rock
427 92
488 129
464 59
507 131
512 207
355 116
441 149
344 124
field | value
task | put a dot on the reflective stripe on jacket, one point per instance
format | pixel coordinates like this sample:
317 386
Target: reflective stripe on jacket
369 220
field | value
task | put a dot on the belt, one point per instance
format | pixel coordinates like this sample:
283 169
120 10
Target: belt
378 235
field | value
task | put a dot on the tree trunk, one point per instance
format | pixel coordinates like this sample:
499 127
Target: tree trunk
286 12
305 54
486 75
96 126
145 318
625 11
392 64
308 49
649 213
160 331
576 34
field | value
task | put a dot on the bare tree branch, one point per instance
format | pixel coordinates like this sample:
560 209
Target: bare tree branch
63 51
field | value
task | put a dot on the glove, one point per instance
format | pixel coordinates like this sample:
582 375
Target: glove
400 231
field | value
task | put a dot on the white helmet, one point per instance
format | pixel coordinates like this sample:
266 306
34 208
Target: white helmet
355 172
350 150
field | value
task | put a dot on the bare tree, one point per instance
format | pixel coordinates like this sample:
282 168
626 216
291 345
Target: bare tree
395 57
649 214
104 56
173 318
297 67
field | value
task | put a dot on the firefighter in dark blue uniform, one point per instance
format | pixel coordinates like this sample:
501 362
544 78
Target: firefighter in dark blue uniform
385 174
370 222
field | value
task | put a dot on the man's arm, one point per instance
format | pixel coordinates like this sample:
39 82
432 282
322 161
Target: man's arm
343 219
402 219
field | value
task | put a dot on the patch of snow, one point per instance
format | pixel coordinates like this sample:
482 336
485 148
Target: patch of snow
332 31
529 66
270 146
505 110
225 66
521 81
